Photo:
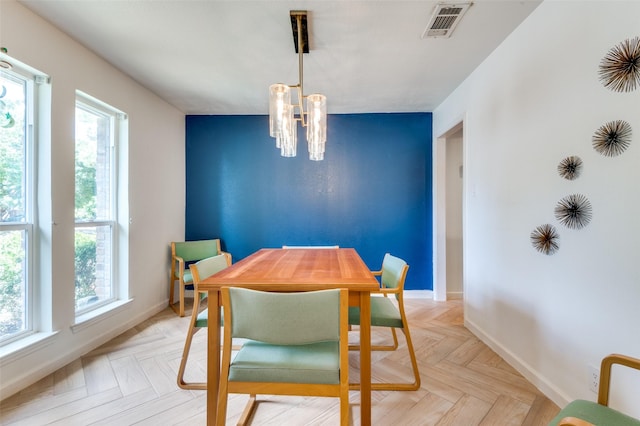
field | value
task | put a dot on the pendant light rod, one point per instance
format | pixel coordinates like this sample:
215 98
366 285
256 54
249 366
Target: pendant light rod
300 52
301 44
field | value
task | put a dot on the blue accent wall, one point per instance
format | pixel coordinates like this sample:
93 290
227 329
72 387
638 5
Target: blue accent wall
372 192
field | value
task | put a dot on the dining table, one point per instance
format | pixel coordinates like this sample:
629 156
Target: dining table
294 270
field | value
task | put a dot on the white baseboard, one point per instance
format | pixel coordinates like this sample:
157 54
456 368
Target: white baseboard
533 376
454 295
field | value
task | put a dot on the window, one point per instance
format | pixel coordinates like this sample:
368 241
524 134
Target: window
17 175
96 227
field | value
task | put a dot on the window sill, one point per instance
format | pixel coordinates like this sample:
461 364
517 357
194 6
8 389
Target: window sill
25 346
88 319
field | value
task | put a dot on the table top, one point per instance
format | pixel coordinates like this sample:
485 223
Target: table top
296 270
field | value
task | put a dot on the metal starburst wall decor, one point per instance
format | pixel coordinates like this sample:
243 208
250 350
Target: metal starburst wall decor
612 138
574 211
570 167
545 239
620 68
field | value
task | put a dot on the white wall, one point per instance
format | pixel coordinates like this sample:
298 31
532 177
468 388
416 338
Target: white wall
534 101
156 189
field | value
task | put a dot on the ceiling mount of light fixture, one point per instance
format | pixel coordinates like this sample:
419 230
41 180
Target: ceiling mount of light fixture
304 34
283 121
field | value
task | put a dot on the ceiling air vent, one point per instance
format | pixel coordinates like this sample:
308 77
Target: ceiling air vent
444 20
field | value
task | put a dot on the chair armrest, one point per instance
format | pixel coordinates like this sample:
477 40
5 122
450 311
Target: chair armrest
386 290
377 273
180 264
574 421
605 373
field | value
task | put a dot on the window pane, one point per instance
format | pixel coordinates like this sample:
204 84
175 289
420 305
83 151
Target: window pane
93 265
93 165
13 294
12 148
94 208
14 284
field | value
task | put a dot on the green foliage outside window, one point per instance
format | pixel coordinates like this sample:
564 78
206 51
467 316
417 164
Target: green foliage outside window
12 205
85 265
12 155
85 191
12 287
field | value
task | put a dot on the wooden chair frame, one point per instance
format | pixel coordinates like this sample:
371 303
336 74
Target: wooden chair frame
604 387
574 421
193 329
340 390
177 274
398 292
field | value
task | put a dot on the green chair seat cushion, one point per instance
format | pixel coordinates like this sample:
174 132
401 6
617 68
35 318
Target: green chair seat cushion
186 277
594 413
203 318
311 363
383 313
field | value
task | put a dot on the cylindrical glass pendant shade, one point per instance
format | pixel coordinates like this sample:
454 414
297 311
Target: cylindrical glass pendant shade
279 96
316 125
289 135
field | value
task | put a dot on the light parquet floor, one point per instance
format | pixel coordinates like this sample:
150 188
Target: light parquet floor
131 380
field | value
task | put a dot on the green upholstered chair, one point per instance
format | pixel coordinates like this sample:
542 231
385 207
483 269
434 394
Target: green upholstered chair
182 254
386 312
588 413
298 345
199 270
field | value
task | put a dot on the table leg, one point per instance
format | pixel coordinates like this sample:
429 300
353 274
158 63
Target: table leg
365 358
213 356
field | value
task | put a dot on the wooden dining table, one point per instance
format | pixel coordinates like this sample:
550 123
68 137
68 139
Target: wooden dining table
292 270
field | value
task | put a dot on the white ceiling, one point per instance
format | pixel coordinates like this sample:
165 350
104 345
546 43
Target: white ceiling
219 57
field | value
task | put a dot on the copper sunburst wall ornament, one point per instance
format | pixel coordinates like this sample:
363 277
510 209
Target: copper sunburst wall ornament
620 68
570 167
545 239
612 138
574 211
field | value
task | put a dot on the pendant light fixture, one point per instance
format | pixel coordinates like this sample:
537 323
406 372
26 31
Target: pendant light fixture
283 120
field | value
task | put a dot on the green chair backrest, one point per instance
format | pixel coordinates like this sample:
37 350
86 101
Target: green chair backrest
211 265
285 318
196 250
392 270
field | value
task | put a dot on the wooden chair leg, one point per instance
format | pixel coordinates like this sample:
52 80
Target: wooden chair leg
393 347
344 409
414 362
172 286
181 311
414 365
248 411
183 364
223 388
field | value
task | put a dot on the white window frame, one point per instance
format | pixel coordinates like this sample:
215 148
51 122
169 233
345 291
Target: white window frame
116 118
29 225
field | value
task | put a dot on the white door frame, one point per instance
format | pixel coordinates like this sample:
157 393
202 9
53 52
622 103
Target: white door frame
439 210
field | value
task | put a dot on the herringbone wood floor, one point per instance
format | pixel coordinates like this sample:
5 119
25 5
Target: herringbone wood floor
132 380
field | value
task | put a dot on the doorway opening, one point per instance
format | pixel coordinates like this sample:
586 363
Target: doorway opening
449 189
